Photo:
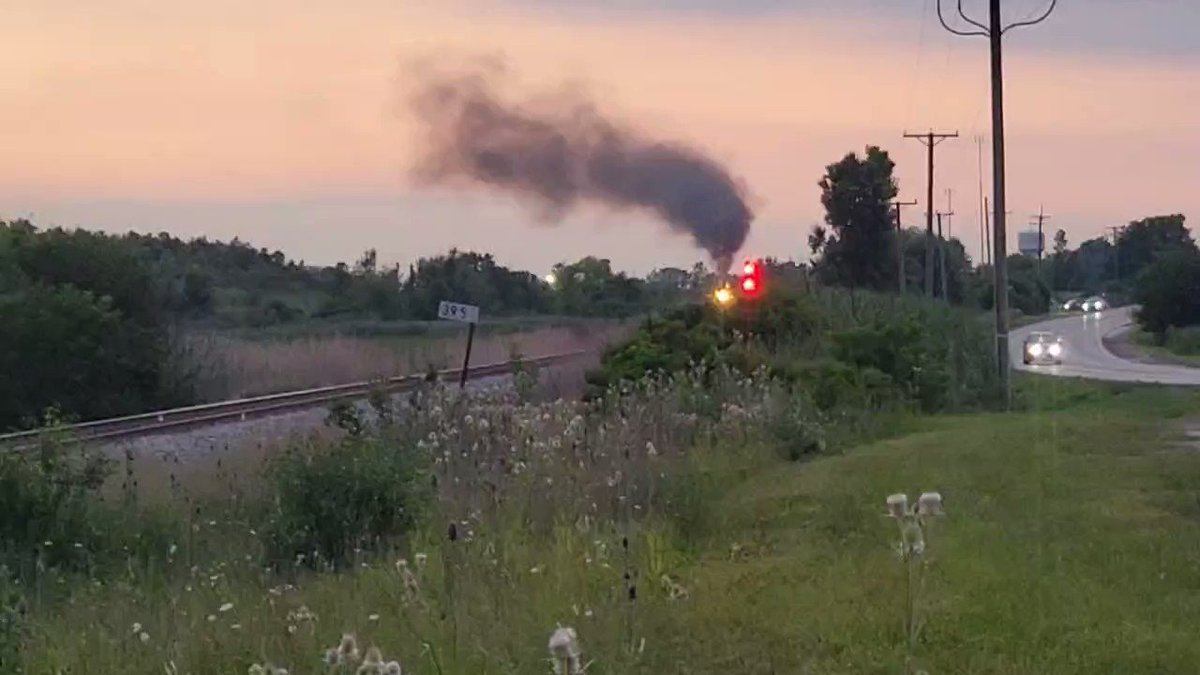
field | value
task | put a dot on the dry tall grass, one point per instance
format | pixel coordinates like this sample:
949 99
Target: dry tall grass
233 367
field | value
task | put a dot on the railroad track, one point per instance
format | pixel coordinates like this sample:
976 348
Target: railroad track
206 414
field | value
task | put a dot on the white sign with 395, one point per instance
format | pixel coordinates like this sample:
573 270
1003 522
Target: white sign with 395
453 311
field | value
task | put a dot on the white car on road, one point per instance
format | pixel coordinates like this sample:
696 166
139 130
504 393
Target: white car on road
1044 348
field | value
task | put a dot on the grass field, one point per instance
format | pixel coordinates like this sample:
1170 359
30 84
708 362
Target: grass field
1071 545
1181 350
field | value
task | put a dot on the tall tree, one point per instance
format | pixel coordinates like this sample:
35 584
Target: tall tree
856 247
1060 242
1143 241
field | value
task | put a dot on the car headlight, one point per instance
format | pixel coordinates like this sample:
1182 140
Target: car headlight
1055 350
1035 350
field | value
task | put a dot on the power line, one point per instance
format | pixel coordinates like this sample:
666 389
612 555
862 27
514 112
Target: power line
994 31
930 140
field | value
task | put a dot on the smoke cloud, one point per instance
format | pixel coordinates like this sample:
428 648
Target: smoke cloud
558 151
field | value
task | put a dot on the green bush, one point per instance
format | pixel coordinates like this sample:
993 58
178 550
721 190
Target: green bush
13 624
53 515
1185 340
328 502
1169 293
846 350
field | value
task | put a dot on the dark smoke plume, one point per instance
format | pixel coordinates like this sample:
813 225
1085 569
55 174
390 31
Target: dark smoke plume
559 151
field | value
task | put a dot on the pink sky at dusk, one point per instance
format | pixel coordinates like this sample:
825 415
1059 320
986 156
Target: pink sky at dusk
283 122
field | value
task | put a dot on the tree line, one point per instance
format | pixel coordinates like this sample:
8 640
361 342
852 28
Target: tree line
91 323
859 246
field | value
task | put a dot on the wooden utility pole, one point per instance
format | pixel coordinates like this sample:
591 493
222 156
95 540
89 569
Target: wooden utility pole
983 230
1040 218
942 251
1116 254
987 226
930 140
900 243
994 31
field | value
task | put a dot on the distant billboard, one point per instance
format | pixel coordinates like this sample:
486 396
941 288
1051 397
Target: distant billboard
1030 243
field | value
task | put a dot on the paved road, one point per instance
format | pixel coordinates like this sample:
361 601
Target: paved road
1085 355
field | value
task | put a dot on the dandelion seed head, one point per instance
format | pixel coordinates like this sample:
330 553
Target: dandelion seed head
930 504
564 643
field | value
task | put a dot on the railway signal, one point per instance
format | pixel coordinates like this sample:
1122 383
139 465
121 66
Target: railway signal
751 281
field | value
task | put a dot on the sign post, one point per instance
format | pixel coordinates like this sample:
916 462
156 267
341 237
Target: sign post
468 314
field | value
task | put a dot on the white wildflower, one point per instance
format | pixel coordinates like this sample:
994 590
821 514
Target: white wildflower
225 607
144 637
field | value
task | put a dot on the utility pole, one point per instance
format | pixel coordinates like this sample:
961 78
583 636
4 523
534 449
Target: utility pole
983 230
942 251
930 140
1041 218
994 31
949 213
987 225
1116 254
900 243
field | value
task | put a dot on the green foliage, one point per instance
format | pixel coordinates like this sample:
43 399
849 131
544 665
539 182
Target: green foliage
1141 242
1183 340
53 517
1027 292
858 247
845 350
1169 293
14 630
329 502
85 329
589 287
959 275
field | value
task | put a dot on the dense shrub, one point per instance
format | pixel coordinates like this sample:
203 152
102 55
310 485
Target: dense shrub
900 351
1185 340
53 516
330 501
13 624
1168 291
85 328
846 350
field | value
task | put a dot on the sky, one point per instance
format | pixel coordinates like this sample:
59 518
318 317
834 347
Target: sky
283 122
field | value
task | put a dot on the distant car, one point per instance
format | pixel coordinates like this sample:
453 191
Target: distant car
1043 348
1094 304
1073 305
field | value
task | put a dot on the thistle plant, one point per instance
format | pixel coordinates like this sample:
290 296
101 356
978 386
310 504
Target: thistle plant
915 525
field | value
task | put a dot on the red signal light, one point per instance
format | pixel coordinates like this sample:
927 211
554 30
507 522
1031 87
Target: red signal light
751 282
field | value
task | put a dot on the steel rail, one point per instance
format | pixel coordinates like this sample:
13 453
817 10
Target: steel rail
269 404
